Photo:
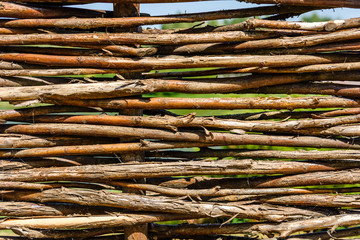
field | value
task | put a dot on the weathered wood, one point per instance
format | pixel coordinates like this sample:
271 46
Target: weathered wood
169 205
140 170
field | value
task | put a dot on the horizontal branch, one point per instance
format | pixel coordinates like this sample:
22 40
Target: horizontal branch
90 221
170 122
274 43
306 179
211 103
163 231
294 154
99 148
211 138
25 141
106 89
319 3
99 22
320 200
151 170
56 72
345 90
329 26
170 62
13 10
132 38
22 113
218 191
170 205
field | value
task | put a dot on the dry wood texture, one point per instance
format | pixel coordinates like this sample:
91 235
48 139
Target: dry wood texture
255 120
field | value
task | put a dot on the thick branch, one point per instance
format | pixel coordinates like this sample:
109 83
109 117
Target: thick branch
140 170
170 205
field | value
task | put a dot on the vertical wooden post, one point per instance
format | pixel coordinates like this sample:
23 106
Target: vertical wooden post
138 232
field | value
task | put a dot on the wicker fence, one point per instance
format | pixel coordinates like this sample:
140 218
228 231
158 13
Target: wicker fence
101 146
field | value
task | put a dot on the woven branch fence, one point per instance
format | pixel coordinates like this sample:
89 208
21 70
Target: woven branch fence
116 131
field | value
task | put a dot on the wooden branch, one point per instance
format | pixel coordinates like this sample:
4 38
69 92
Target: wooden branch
193 230
85 23
289 42
18 31
102 149
90 221
163 204
13 10
306 179
56 72
170 62
321 3
217 191
329 26
106 89
28 209
211 138
25 141
320 200
132 38
150 170
294 154
311 88
170 122
211 103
